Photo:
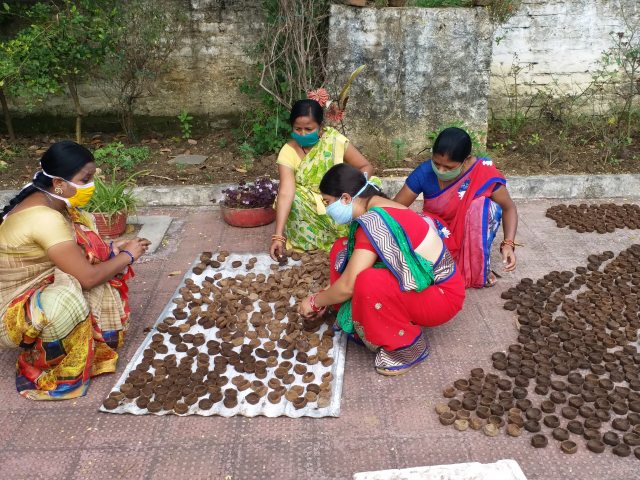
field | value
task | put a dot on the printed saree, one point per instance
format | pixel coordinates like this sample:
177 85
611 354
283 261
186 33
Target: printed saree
66 335
468 219
308 226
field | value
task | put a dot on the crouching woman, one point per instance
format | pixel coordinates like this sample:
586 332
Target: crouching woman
390 277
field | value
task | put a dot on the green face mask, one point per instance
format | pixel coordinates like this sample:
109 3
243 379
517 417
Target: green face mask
446 176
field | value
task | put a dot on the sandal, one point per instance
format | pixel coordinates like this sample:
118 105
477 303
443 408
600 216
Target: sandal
400 361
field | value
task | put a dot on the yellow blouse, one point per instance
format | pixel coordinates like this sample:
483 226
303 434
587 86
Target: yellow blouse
289 157
33 231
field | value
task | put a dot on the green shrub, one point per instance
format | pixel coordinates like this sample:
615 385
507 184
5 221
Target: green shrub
115 156
266 126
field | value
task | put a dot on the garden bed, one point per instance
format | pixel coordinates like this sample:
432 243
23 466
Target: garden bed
225 164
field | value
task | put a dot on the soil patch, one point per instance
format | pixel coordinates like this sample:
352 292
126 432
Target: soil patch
225 164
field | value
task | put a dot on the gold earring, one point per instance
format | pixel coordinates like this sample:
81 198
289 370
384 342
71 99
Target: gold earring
58 191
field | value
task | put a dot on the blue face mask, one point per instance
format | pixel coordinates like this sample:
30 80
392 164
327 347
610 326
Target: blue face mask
308 140
342 213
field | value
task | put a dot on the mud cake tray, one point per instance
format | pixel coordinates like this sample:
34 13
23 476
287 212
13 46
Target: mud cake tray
237 347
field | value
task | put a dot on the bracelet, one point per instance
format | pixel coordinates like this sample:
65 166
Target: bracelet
111 254
509 243
129 253
312 302
280 238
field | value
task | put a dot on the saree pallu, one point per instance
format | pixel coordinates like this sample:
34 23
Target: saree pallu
308 226
67 335
468 219
399 294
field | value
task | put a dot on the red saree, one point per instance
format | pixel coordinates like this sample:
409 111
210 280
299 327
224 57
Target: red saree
468 219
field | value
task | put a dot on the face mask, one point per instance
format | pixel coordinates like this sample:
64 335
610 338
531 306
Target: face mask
308 140
342 213
80 198
446 176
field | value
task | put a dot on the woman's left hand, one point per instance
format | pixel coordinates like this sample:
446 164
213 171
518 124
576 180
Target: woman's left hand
508 258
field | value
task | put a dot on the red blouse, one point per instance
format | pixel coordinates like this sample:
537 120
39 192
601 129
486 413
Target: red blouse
412 223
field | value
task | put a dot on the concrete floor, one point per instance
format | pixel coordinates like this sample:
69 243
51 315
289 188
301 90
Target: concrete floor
386 422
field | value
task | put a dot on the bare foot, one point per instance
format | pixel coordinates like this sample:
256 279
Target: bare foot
491 280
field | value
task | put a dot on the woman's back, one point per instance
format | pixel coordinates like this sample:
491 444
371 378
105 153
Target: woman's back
420 229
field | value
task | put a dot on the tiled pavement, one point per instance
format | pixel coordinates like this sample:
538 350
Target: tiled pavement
385 422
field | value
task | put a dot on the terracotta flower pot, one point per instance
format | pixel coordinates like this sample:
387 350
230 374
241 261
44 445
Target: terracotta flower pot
111 226
248 217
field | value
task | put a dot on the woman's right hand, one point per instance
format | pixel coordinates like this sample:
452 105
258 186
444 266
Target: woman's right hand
277 249
136 247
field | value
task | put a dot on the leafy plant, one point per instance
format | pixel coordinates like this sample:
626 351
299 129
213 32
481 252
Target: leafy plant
534 139
478 139
143 37
502 10
259 194
112 196
399 148
115 156
78 41
25 63
185 124
266 126
247 153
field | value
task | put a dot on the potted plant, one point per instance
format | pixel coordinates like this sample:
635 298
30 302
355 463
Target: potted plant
111 203
250 204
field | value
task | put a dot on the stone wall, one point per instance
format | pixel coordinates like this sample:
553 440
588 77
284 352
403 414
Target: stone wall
206 72
557 43
424 67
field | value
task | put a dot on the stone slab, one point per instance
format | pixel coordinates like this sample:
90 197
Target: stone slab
500 470
188 159
561 187
154 228
564 187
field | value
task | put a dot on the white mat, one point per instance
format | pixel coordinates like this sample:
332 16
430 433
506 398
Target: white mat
263 407
500 470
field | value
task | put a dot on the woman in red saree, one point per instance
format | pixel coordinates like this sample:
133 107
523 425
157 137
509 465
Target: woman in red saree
468 198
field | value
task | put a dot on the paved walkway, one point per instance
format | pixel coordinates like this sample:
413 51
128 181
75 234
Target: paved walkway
386 422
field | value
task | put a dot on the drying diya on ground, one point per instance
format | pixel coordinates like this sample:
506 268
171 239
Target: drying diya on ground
603 218
574 373
231 342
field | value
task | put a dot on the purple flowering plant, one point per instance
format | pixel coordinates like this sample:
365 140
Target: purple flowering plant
259 194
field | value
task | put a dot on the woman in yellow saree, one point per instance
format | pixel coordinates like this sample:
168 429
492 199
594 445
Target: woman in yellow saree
63 292
301 219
